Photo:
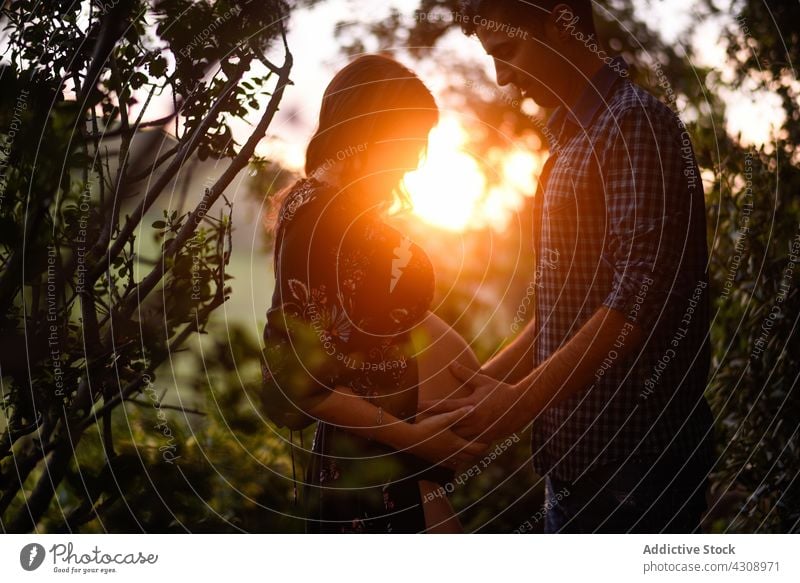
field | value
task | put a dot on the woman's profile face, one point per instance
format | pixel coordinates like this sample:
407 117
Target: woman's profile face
394 158
397 152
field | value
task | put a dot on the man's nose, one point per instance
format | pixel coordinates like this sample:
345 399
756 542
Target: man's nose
505 74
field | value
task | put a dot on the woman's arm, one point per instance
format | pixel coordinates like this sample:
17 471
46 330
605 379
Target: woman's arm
430 439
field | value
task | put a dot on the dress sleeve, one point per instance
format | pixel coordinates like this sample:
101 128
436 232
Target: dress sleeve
299 362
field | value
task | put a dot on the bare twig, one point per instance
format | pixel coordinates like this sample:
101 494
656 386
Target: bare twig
146 285
186 149
163 406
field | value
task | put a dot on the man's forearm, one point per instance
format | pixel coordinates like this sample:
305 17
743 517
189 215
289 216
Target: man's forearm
574 366
515 361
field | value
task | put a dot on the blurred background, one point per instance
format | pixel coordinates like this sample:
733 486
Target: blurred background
122 118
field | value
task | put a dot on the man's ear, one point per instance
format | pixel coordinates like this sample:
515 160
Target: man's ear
561 24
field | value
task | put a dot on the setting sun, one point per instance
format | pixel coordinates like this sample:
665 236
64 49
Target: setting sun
449 183
450 190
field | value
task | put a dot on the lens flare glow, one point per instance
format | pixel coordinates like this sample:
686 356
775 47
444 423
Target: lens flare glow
450 190
448 185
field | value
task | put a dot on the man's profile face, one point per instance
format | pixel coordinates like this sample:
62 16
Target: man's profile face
525 61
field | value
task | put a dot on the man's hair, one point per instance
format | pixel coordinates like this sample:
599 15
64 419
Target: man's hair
523 13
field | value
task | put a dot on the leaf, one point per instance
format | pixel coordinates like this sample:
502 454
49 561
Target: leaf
158 66
137 80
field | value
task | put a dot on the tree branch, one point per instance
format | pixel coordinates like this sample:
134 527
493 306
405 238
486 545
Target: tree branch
186 149
146 285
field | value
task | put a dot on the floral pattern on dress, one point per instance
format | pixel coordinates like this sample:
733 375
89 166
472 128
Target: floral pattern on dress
334 276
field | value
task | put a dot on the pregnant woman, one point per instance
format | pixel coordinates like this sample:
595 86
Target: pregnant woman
350 341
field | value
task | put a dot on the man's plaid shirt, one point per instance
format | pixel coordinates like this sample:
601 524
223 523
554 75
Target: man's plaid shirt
621 223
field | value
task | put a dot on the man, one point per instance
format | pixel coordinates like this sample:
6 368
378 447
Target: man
613 366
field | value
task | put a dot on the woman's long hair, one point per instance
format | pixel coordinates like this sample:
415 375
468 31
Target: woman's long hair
373 98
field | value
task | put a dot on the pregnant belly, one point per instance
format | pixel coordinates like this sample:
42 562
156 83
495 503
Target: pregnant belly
437 346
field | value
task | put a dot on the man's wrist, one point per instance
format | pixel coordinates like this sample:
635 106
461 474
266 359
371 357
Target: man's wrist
530 401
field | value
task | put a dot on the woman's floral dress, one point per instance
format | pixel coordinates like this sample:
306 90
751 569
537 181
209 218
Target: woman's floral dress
349 289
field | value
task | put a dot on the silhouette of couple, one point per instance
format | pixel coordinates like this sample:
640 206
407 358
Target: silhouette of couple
610 371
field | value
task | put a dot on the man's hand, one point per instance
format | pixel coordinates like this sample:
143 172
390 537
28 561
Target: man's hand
498 407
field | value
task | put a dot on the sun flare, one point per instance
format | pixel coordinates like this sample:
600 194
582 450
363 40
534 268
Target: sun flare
450 190
448 185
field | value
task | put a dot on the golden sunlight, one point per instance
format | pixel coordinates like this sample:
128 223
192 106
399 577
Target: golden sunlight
447 186
450 190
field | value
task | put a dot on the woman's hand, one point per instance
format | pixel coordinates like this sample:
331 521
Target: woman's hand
499 409
436 443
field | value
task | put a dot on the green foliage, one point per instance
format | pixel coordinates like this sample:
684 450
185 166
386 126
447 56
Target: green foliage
755 272
86 317
218 467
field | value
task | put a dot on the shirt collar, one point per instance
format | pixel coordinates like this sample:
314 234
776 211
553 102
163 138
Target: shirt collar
582 111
